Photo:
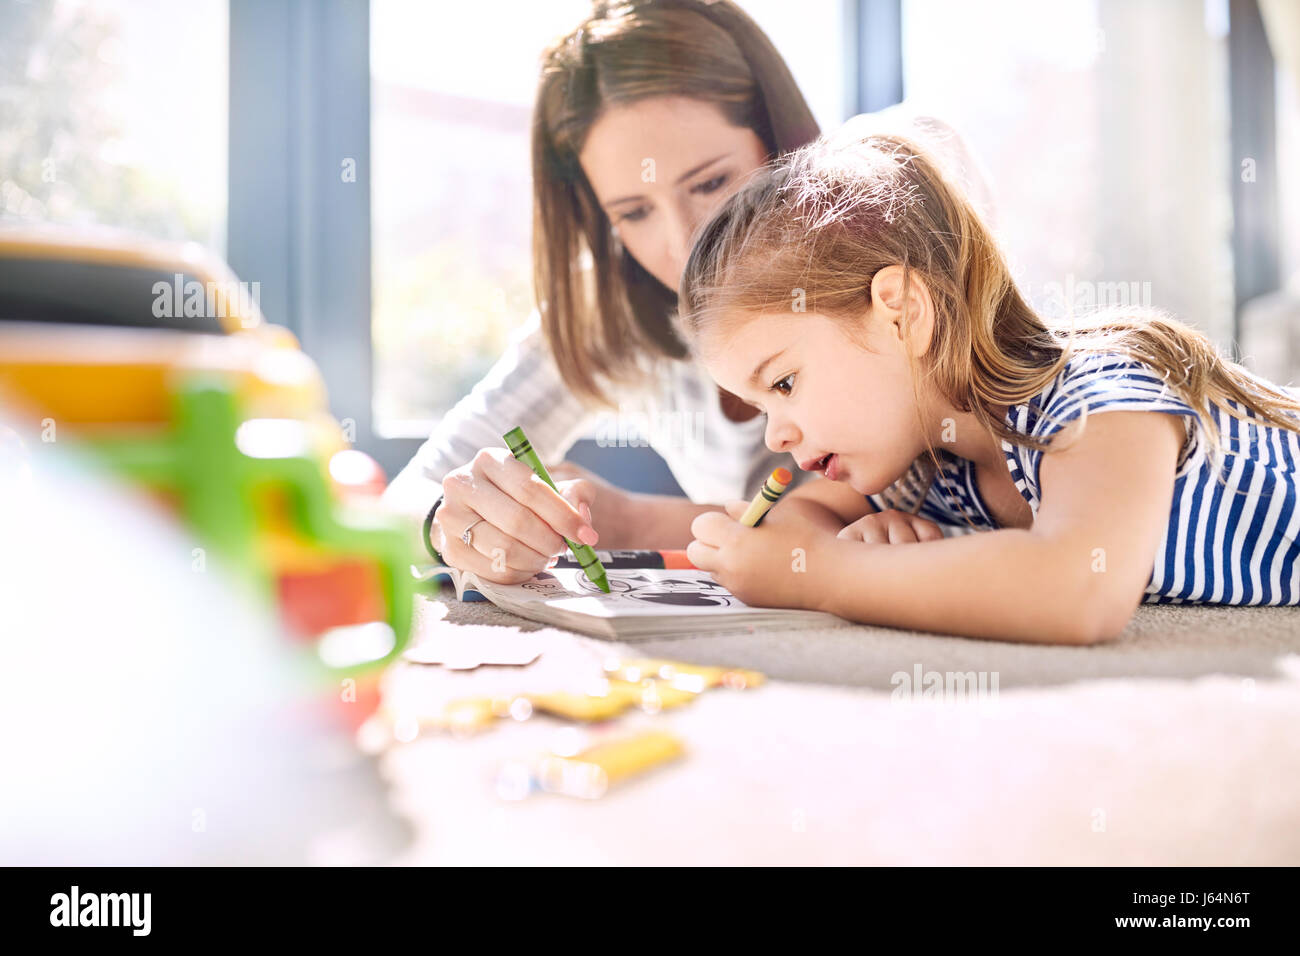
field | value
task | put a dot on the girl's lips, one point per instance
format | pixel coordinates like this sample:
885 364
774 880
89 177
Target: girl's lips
816 464
833 468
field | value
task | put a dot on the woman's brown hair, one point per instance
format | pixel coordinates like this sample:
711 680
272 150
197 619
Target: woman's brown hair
826 218
600 310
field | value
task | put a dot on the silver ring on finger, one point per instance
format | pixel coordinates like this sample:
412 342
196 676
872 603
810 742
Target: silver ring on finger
468 535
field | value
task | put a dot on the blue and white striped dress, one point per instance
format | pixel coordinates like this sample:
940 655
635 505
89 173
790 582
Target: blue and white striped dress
1234 542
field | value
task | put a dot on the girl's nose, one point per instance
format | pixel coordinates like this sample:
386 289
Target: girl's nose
781 434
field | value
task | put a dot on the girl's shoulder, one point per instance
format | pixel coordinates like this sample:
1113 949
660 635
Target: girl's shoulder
1091 381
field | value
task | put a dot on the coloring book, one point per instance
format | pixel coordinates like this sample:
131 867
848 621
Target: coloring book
642 603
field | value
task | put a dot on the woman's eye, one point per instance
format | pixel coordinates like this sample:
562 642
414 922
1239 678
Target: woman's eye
636 215
710 185
788 381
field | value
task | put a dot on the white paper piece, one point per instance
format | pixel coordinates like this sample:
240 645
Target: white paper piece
466 647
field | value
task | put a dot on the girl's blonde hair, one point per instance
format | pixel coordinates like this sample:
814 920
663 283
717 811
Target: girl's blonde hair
815 227
601 312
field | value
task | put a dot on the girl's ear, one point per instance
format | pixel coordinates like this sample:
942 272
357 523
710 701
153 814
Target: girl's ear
910 310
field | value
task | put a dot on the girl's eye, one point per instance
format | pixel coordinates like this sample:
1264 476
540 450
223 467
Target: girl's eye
710 185
776 386
636 215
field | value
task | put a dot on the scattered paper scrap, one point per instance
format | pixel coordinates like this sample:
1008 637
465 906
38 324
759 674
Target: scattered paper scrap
467 647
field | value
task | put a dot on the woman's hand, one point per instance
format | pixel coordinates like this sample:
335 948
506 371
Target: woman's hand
891 527
627 519
609 504
773 565
524 521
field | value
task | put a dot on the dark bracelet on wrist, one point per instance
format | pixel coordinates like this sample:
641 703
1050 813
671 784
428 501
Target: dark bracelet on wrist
428 526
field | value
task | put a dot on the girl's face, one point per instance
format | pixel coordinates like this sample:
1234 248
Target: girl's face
659 167
823 393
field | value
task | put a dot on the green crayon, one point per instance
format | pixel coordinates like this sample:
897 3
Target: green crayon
522 449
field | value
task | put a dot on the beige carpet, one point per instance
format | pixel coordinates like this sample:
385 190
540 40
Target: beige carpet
1175 744
1160 641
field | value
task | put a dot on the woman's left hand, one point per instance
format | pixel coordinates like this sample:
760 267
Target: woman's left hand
773 565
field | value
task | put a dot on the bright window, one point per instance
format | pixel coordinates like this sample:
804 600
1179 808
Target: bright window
114 113
1103 128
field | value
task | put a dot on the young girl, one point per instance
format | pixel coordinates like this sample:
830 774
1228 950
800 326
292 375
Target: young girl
852 294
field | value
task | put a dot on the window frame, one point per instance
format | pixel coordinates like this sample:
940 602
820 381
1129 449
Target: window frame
299 218
1252 118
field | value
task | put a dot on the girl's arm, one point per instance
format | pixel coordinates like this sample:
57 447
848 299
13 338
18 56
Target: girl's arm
1007 585
1074 578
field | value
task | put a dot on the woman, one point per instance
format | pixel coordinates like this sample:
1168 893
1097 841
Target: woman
647 117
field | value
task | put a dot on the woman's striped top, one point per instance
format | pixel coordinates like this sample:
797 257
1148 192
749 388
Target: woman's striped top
1230 542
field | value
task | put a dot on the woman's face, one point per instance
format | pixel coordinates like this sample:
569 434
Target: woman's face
659 167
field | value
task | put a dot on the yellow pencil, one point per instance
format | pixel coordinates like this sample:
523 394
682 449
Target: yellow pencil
772 489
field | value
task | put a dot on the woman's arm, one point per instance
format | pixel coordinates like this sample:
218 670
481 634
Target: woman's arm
664 521
523 389
628 519
660 521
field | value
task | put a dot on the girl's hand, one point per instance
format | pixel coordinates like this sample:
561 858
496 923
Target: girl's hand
773 565
891 527
524 521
